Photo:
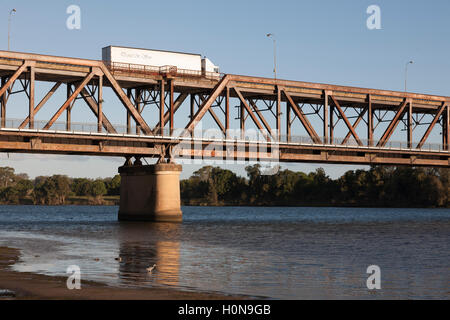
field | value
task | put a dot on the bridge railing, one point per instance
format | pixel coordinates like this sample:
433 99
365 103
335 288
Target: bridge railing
215 135
119 68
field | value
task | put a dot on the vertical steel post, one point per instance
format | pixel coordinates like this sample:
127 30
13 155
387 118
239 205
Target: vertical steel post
278 113
4 100
162 107
100 103
138 94
331 122
242 122
227 111
325 117
128 113
446 128
171 111
288 122
31 98
369 121
409 123
69 108
192 105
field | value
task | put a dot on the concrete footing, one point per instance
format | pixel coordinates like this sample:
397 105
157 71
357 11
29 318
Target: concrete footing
150 193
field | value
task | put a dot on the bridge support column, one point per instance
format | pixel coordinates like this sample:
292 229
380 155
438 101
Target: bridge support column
150 193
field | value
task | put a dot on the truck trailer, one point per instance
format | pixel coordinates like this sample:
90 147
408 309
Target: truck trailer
185 63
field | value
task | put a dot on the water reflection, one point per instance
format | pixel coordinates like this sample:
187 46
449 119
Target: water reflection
142 245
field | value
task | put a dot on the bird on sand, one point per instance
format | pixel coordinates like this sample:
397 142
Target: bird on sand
150 269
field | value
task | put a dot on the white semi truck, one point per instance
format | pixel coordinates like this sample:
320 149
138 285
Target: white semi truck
158 58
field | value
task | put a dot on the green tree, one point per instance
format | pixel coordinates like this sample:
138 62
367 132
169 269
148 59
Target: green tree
98 189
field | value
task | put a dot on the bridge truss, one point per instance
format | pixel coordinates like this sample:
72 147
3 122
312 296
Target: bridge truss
279 110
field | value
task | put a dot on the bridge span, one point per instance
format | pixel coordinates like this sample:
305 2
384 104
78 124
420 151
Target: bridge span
294 121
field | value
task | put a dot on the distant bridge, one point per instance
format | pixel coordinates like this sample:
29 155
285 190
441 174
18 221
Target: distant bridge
275 108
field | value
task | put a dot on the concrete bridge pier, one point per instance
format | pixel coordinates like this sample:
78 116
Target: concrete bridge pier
150 192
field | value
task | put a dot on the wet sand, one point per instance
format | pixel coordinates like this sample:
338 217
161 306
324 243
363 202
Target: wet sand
33 286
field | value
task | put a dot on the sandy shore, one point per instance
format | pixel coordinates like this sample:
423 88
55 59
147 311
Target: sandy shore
27 285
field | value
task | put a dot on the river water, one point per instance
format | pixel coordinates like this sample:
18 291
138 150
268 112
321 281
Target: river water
278 253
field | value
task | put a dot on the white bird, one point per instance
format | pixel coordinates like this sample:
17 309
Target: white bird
150 269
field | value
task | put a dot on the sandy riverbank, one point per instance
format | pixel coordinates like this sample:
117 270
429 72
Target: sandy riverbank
27 285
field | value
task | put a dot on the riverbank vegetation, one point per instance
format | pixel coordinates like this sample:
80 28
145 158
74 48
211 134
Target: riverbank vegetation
56 189
380 186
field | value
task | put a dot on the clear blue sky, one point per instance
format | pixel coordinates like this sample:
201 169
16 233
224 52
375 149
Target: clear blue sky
317 41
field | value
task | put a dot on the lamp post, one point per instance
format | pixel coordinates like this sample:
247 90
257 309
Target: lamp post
406 71
9 26
271 35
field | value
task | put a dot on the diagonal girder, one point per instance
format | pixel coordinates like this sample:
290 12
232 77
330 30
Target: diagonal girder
301 116
431 126
69 100
208 103
261 117
14 77
41 104
94 107
125 100
215 117
347 123
355 124
390 129
217 120
250 112
176 105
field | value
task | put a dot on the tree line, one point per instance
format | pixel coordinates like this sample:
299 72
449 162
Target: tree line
380 186
53 190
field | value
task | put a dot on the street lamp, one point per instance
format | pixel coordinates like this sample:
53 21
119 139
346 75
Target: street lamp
406 71
9 26
271 35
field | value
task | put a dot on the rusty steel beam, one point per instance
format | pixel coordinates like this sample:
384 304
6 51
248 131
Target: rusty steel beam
431 126
14 77
90 101
260 116
137 102
208 102
369 121
301 116
213 115
217 120
250 112
227 110
171 106
3 100
278 116
31 97
355 124
446 128
325 117
125 101
176 105
337 88
390 129
410 124
242 119
41 103
344 117
100 104
162 107
69 100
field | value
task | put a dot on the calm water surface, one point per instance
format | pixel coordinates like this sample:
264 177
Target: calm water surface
281 253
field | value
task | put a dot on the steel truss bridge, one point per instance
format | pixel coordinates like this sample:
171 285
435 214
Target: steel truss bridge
276 108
